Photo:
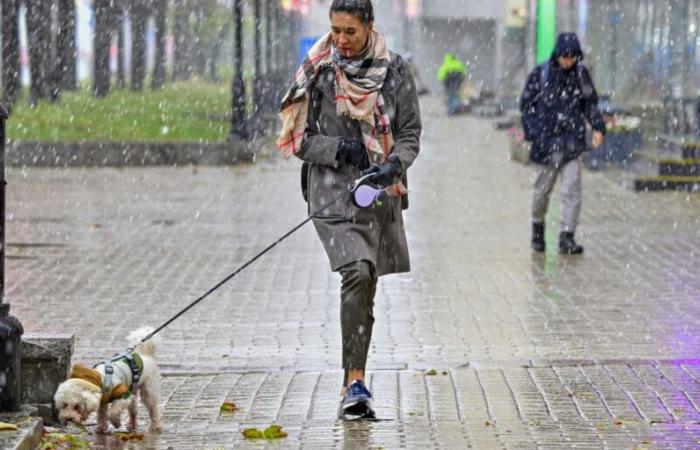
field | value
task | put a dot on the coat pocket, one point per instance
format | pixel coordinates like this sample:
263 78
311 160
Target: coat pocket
325 185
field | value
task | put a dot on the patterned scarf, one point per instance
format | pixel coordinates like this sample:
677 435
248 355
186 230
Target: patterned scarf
358 85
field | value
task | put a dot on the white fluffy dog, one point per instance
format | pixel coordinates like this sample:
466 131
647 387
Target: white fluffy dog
85 392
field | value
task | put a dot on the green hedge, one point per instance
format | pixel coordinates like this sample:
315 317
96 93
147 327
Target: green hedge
184 111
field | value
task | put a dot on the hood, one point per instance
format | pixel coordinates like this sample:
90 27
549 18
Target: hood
567 44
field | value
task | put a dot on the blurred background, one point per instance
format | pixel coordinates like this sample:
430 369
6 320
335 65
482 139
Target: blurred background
214 71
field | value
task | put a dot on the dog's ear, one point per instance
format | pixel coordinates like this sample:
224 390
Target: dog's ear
89 402
76 369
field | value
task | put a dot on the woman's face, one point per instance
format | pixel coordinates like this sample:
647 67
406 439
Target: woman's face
349 34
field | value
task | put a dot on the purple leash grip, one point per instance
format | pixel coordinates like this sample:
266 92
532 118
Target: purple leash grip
363 193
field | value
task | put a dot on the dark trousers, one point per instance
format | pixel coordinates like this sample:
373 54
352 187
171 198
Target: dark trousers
356 319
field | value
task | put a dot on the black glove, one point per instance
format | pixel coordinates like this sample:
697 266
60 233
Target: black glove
386 173
353 151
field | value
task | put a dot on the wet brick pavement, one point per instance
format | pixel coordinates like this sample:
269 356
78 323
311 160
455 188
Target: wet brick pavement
531 351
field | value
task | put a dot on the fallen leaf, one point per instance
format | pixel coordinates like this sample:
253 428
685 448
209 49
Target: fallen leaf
252 433
444 372
228 407
7 426
487 423
431 372
619 422
96 225
76 442
131 436
274 432
271 432
52 441
601 425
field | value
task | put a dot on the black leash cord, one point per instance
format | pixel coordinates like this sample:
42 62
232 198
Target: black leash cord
240 269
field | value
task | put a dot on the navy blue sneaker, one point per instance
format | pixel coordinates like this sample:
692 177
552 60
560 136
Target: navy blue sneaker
358 402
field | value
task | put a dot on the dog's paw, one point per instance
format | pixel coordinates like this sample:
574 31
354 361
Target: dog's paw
102 429
155 428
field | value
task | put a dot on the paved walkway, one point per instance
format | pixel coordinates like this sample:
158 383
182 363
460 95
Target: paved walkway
530 351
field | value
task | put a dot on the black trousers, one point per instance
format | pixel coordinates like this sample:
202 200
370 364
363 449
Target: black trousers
356 313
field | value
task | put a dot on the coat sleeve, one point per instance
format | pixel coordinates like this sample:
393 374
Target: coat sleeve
590 102
317 148
407 121
532 88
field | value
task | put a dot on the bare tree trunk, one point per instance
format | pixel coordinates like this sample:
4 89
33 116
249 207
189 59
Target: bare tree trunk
103 39
66 54
641 23
646 25
139 17
258 92
282 40
10 52
39 36
696 22
686 56
677 40
160 11
120 15
215 51
181 66
269 74
239 129
198 51
647 55
661 27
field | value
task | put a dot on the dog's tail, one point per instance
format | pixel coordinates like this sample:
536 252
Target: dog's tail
147 348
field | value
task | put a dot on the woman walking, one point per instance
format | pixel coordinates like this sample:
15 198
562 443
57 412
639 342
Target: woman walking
353 110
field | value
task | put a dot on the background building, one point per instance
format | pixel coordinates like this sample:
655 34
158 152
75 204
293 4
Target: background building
489 36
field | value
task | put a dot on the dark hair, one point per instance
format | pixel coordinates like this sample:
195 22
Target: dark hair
362 9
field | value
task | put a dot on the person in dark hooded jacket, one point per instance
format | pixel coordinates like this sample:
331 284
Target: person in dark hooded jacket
558 101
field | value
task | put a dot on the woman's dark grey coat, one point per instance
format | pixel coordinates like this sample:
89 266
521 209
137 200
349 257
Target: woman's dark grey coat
377 233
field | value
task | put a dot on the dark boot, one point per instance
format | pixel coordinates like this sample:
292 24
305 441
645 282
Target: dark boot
567 244
538 237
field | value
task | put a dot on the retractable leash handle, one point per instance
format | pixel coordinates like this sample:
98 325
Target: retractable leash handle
364 193
360 190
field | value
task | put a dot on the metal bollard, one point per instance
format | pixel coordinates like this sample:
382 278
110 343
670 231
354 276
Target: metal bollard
10 328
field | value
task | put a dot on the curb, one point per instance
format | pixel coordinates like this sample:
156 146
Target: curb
28 436
129 154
